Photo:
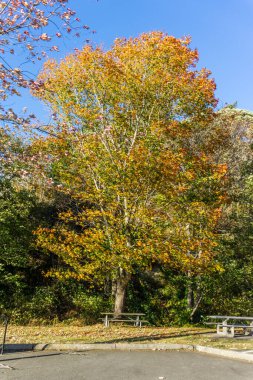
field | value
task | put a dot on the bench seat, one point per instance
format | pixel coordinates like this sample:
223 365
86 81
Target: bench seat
212 323
134 318
228 325
136 323
237 326
120 320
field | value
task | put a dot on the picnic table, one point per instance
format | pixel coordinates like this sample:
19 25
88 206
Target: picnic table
227 324
134 318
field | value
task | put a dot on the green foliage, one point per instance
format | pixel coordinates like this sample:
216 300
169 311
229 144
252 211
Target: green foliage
57 302
89 305
134 220
15 240
160 295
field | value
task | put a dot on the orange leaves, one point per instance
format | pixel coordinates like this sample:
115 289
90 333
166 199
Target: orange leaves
221 170
129 156
150 77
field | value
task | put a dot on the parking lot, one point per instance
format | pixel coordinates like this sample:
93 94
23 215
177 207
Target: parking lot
121 365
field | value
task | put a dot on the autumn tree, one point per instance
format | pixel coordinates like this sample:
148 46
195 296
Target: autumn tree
122 149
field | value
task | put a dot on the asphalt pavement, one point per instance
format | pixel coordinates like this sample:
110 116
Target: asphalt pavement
121 365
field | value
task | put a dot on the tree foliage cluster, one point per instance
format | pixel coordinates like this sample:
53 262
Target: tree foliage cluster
139 196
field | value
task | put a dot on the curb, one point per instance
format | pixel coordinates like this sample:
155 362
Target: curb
113 346
229 354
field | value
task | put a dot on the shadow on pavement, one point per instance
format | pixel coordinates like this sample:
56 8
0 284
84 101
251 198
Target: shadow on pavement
157 337
5 359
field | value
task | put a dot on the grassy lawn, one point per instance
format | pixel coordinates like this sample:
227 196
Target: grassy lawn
120 334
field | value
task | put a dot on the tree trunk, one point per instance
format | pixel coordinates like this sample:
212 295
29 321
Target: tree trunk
197 303
194 298
190 292
190 297
120 293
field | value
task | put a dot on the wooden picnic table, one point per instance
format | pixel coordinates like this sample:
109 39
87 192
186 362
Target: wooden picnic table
226 324
123 317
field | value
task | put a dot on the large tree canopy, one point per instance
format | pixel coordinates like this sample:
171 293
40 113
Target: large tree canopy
125 149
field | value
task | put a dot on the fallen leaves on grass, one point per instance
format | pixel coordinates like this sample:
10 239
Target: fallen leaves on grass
120 334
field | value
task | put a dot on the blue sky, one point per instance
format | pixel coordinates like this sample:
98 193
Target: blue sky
221 30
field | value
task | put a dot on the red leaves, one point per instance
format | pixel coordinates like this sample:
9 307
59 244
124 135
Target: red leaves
45 37
54 48
20 26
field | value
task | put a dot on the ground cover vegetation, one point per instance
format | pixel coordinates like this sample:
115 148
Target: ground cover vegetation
97 333
137 198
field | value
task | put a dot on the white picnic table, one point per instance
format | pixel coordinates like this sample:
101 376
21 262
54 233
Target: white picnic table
226 324
134 318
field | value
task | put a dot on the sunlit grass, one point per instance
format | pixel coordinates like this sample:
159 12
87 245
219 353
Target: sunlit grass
122 334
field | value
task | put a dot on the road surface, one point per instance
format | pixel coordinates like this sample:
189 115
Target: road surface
121 365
